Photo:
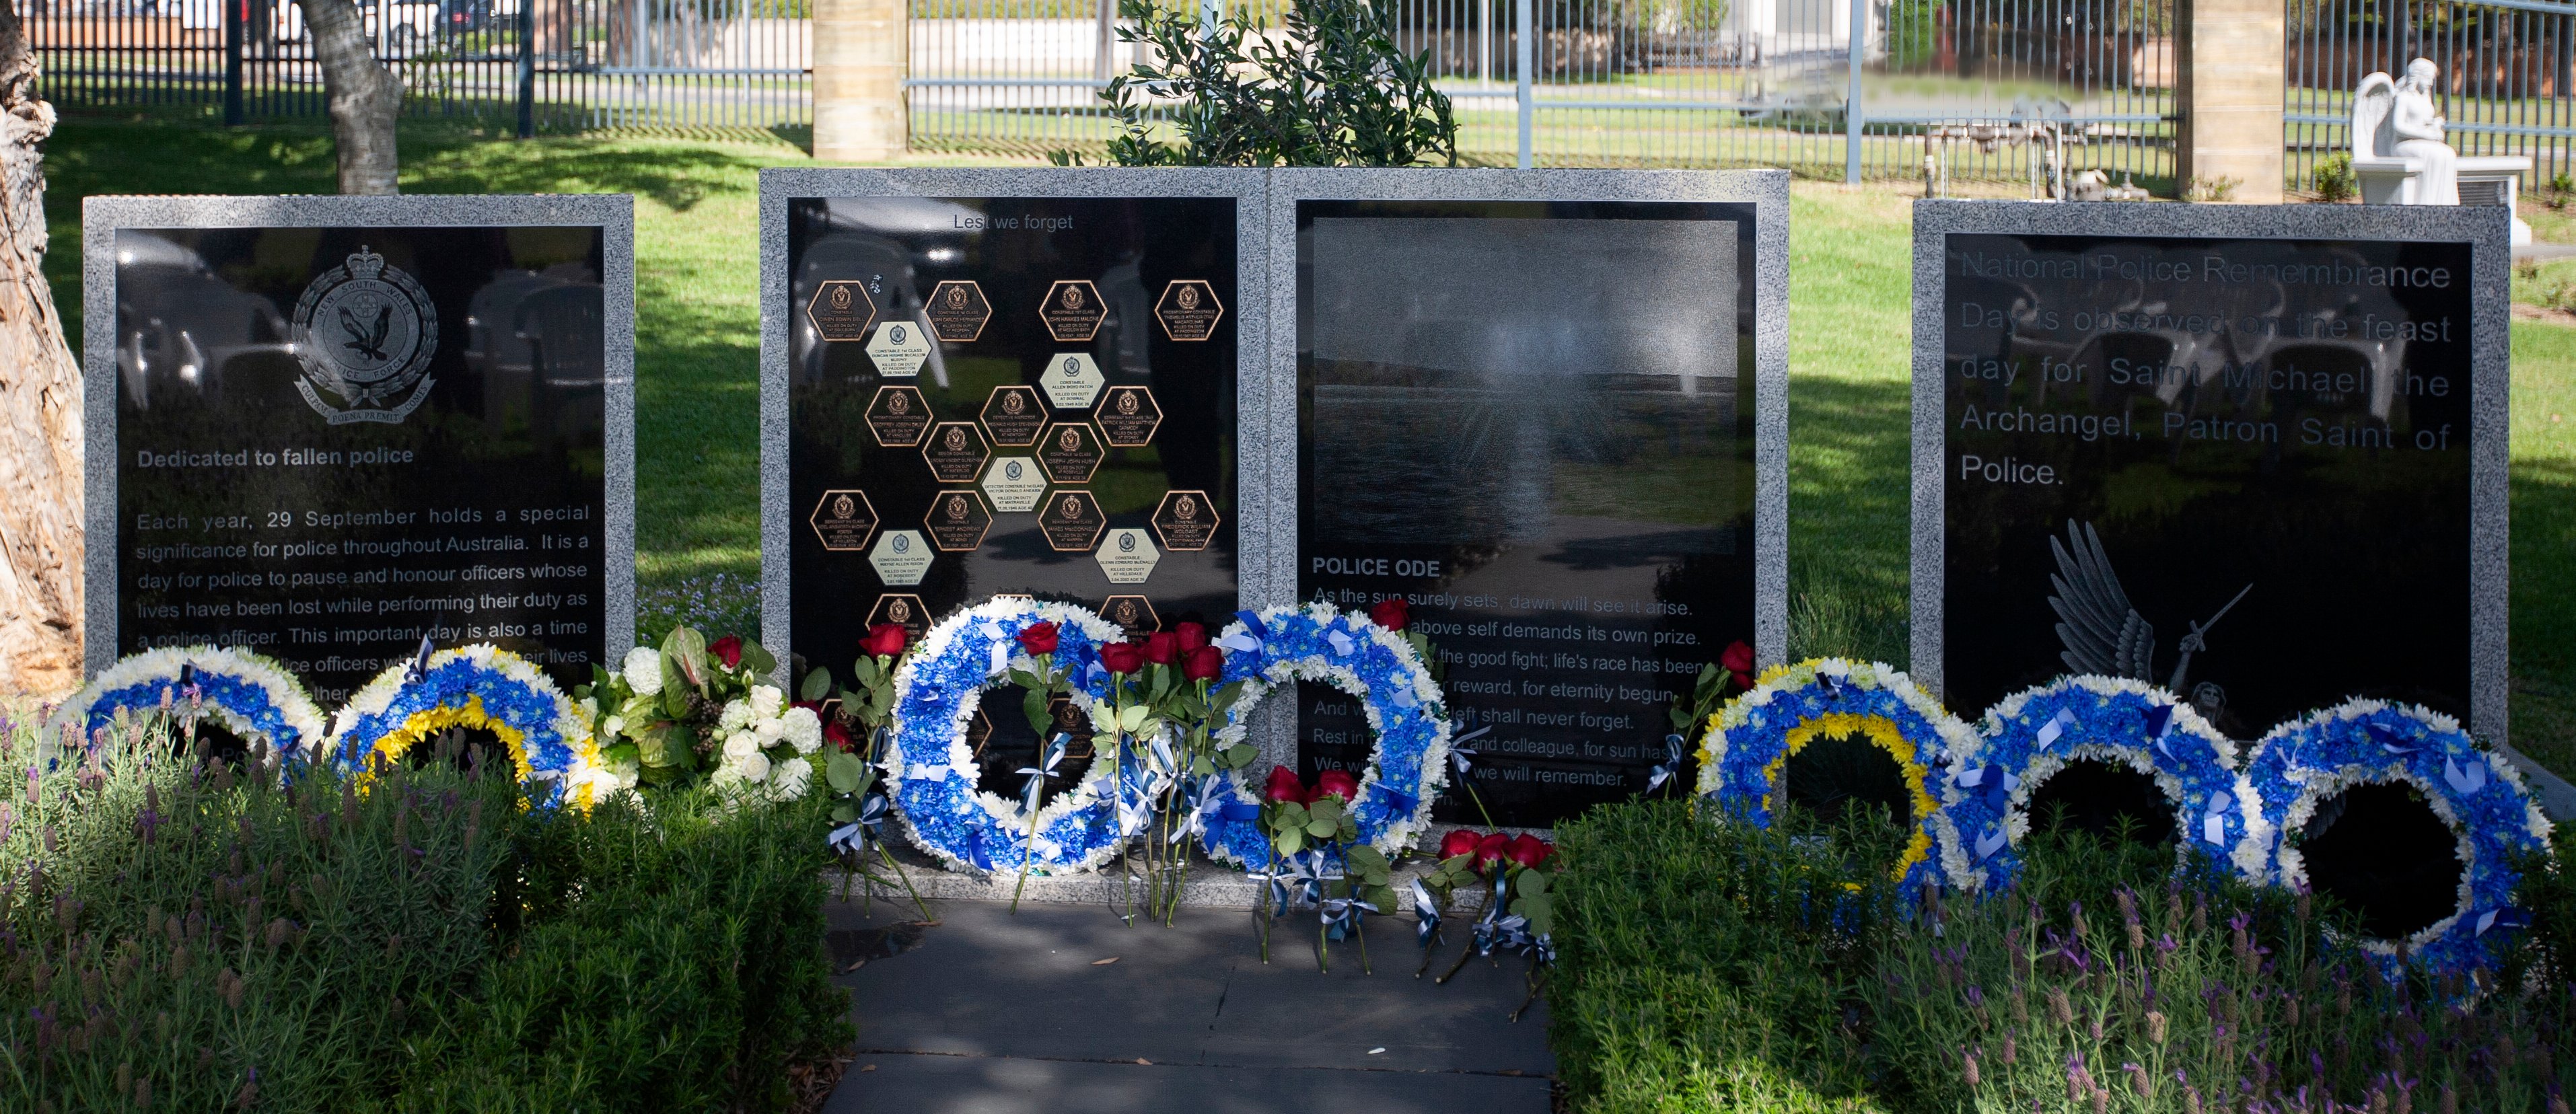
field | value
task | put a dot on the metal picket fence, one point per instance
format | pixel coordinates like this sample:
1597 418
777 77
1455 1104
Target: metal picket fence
2021 92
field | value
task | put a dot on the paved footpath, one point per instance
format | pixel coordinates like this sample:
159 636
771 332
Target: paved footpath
991 1013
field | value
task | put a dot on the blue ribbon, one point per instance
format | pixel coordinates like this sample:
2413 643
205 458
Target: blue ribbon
2391 741
975 850
1459 755
1426 914
1671 765
1341 915
1038 774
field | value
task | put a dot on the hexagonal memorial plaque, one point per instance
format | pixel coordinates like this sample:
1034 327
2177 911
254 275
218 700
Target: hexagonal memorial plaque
1133 614
899 348
1014 484
902 609
1188 310
1072 521
1128 417
1073 310
956 452
1128 555
1072 380
901 557
1013 416
957 311
841 310
844 520
1071 452
897 415
1186 521
957 521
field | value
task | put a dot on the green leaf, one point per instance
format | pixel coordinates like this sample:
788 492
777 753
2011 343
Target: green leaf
818 684
1290 842
1381 895
1033 704
845 772
865 669
1529 883
1368 859
1291 815
1321 829
1326 809
757 660
1201 766
675 695
1133 719
845 814
1240 755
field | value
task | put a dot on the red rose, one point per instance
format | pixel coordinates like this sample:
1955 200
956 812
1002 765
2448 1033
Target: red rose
1191 635
1283 786
1038 638
728 650
1738 658
1490 850
1122 657
1528 850
838 735
1744 680
1162 647
1336 783
1391 614
885 640
1459 841
1205 663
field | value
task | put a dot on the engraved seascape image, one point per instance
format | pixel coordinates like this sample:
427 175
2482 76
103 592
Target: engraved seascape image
1012 290
1532 421
330 441
2235 468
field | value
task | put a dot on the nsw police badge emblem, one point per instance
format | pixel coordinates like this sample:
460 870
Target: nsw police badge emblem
364 333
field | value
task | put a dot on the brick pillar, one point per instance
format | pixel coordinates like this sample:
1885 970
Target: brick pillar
860 52
2229 87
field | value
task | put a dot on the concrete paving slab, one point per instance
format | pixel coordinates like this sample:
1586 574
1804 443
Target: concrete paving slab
993 1011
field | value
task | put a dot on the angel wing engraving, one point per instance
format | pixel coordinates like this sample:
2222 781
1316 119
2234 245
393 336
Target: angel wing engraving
2101 631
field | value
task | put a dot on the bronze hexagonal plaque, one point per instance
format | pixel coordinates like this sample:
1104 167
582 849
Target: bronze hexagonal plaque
956 452
957 311
902 609
957 521
1185 521
1073 310
1128 417
1188 310
1070 452
842 310
897 415
1133 614
1072 521
844 521
1013 416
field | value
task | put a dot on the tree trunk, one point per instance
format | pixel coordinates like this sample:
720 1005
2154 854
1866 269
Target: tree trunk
40 407
364 96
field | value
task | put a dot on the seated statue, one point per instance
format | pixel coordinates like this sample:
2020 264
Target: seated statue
2417 127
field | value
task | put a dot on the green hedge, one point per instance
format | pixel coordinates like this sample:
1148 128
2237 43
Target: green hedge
1710 967
174 935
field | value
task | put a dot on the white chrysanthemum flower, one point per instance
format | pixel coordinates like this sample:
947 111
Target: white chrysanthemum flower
740 745
790 777
766 701
735 717
802 729
643 671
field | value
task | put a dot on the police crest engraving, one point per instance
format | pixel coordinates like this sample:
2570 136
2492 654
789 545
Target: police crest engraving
364 332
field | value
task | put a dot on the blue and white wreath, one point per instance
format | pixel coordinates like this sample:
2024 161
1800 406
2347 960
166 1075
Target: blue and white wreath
2478 794
1408 720
2031 735
937 690
256 698
1748 743
476 687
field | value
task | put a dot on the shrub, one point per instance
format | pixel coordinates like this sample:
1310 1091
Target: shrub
179 936
2334 179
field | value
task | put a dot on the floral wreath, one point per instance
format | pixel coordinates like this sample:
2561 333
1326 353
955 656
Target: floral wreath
482 687
2031 735
2479 795
1407 717
1750 740
945 812
251 695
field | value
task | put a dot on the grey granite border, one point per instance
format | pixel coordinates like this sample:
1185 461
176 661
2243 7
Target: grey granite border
102 216
777 186
2487 229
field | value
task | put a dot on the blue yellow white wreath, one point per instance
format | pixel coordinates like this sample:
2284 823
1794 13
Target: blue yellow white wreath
1749 741
476 687
256 698
2479 795
937 689
2030 735
1408 722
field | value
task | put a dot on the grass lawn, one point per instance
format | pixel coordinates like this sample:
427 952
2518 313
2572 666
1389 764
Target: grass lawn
698 347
